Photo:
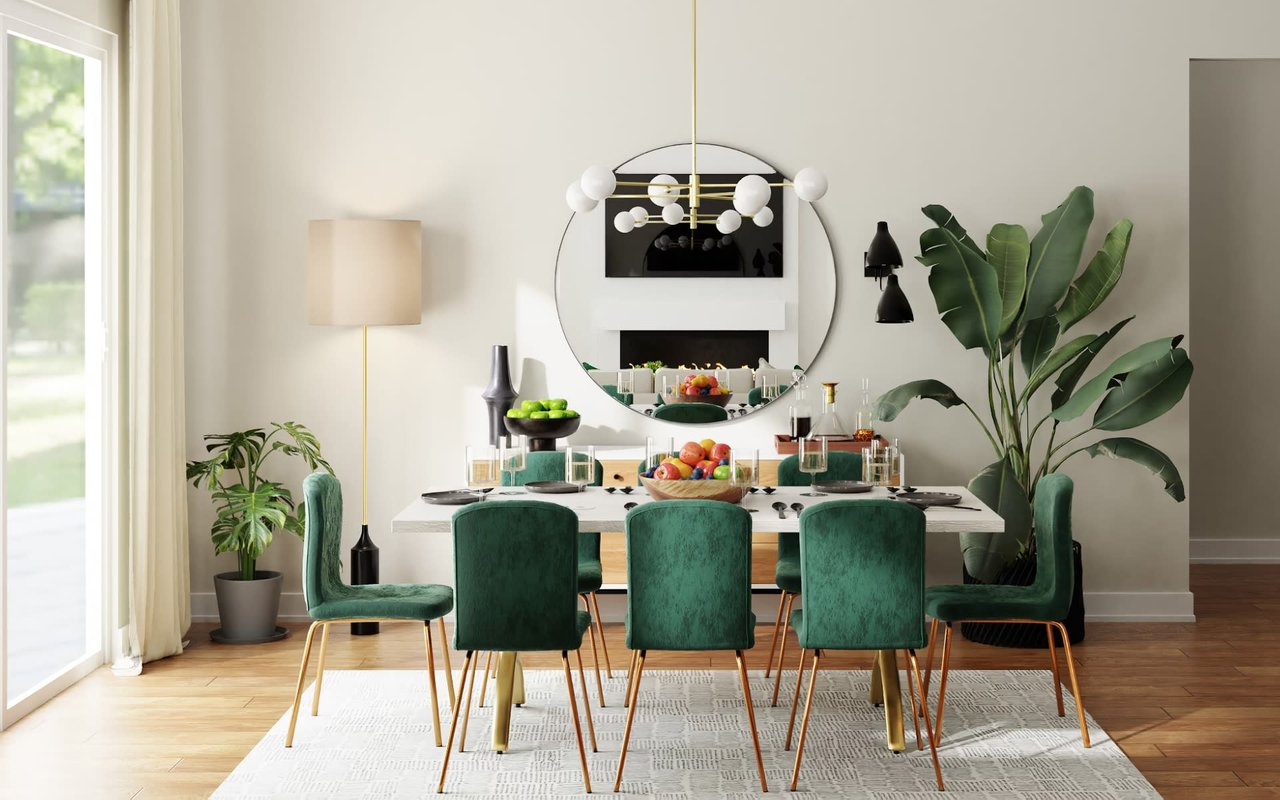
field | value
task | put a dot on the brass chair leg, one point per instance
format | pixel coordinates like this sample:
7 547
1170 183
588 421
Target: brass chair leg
1053 665
928 658
936 736
915 708
448 667
933 745
453 726
431 681
465 708
577 726
795 698
1075 686
782 653
604 644
302 676
484 682
751 719
777 625
631 671
631 715
595 657
804 722
324 648
586 703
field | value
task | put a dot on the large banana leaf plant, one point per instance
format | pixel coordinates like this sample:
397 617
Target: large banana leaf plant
251 507
1015 299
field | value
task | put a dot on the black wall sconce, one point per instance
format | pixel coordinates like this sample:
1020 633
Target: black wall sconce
879 261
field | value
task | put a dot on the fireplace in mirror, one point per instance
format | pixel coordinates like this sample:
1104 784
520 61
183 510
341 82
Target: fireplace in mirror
675 348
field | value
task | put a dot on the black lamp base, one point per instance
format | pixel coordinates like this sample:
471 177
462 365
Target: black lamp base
364 571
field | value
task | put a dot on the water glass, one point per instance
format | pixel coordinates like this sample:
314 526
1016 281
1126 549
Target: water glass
482 467
812 455
768 387
580 465
654 451
626 381
744 468
514 455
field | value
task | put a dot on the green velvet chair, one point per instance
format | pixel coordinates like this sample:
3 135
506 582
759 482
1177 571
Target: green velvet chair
688 588
330 600
862 565
515 566
1045 602
841 466
690 413
549 466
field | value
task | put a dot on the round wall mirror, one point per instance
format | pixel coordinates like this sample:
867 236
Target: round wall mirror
692 324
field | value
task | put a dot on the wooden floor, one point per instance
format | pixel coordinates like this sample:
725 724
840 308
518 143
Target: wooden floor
1197 707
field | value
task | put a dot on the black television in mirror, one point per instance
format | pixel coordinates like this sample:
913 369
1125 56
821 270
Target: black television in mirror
659 250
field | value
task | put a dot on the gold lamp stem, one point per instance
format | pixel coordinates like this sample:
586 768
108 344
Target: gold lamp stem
364 428
694 189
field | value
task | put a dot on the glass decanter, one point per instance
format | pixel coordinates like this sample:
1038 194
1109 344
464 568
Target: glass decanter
829 425
866 430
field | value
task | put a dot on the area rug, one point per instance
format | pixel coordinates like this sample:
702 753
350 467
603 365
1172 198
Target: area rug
373 740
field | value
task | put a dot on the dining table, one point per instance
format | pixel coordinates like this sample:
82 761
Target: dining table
599 510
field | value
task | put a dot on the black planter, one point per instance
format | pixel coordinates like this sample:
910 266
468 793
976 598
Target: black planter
499 393
1022 572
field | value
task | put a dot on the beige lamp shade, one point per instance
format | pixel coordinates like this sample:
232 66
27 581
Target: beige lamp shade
364 272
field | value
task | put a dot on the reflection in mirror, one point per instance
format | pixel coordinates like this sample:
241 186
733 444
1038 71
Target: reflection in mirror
670 320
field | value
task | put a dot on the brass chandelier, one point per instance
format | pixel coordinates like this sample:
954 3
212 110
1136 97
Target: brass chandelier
684 202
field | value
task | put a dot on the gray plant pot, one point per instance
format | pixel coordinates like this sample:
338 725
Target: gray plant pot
248 609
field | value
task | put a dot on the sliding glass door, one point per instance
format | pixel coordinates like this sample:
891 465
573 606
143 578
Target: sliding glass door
58 249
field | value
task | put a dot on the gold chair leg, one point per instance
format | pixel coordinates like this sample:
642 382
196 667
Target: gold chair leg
595 656
933 745
484 682
302 676
751 719
517 682
631 671
324 648
804 722
795 698
577 726
782 652
876 693
915 709
448 667
453 726
777 625
431 681
465 708
1075 686
936 736
604 644
631 715
586 703
928 658
1053 665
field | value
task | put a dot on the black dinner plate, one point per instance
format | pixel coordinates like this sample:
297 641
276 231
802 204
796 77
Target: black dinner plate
842 487
552 487
930 498
452 498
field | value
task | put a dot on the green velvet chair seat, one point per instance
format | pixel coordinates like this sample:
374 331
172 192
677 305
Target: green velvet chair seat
786 573
955 603
387 601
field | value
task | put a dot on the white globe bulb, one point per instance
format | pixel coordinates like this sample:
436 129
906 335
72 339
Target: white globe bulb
663 195
729 221
640 214
763 217
623 222
673 214
578 201
598 182
751 194
810 185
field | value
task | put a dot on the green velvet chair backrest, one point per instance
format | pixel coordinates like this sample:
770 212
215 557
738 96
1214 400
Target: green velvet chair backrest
841 466
755 396
1055 562
515 567
548 465
322 545
689 576
690 412
862 567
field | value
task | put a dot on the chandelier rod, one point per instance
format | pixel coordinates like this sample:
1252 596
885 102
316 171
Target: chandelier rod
693 138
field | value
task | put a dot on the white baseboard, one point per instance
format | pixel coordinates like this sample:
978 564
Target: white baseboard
1235 551
1099 607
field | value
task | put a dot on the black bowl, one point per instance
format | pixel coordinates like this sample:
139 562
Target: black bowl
543 433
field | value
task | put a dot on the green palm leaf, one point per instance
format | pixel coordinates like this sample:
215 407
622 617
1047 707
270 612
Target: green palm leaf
964 287
891 403
1095 388
1069 377
1055 252
946 220
1037 342
1099 278
1008 251
1145 393
998 487
1140 452
1056 361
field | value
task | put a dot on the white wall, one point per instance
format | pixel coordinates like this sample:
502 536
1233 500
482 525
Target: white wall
1235 280
474 116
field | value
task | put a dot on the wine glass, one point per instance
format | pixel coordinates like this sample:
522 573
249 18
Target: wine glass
482 468
513 456
812 455
579 466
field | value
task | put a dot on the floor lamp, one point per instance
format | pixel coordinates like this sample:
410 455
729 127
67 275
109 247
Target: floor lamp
364 272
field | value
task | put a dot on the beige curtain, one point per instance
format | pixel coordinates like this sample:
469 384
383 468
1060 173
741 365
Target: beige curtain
159 575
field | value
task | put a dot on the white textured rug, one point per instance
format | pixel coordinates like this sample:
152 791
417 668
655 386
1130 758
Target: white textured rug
1003 738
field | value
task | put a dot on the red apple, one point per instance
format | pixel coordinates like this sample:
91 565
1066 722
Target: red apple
720 451
667 472
708 466
712 382
692 453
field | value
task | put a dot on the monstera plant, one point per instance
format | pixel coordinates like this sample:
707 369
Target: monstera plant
1016 299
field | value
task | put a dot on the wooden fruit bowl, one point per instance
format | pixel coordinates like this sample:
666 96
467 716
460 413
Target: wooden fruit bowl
721 400
694 490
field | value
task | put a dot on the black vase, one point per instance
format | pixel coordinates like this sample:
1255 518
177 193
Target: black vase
1022 572
499 393
364 571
